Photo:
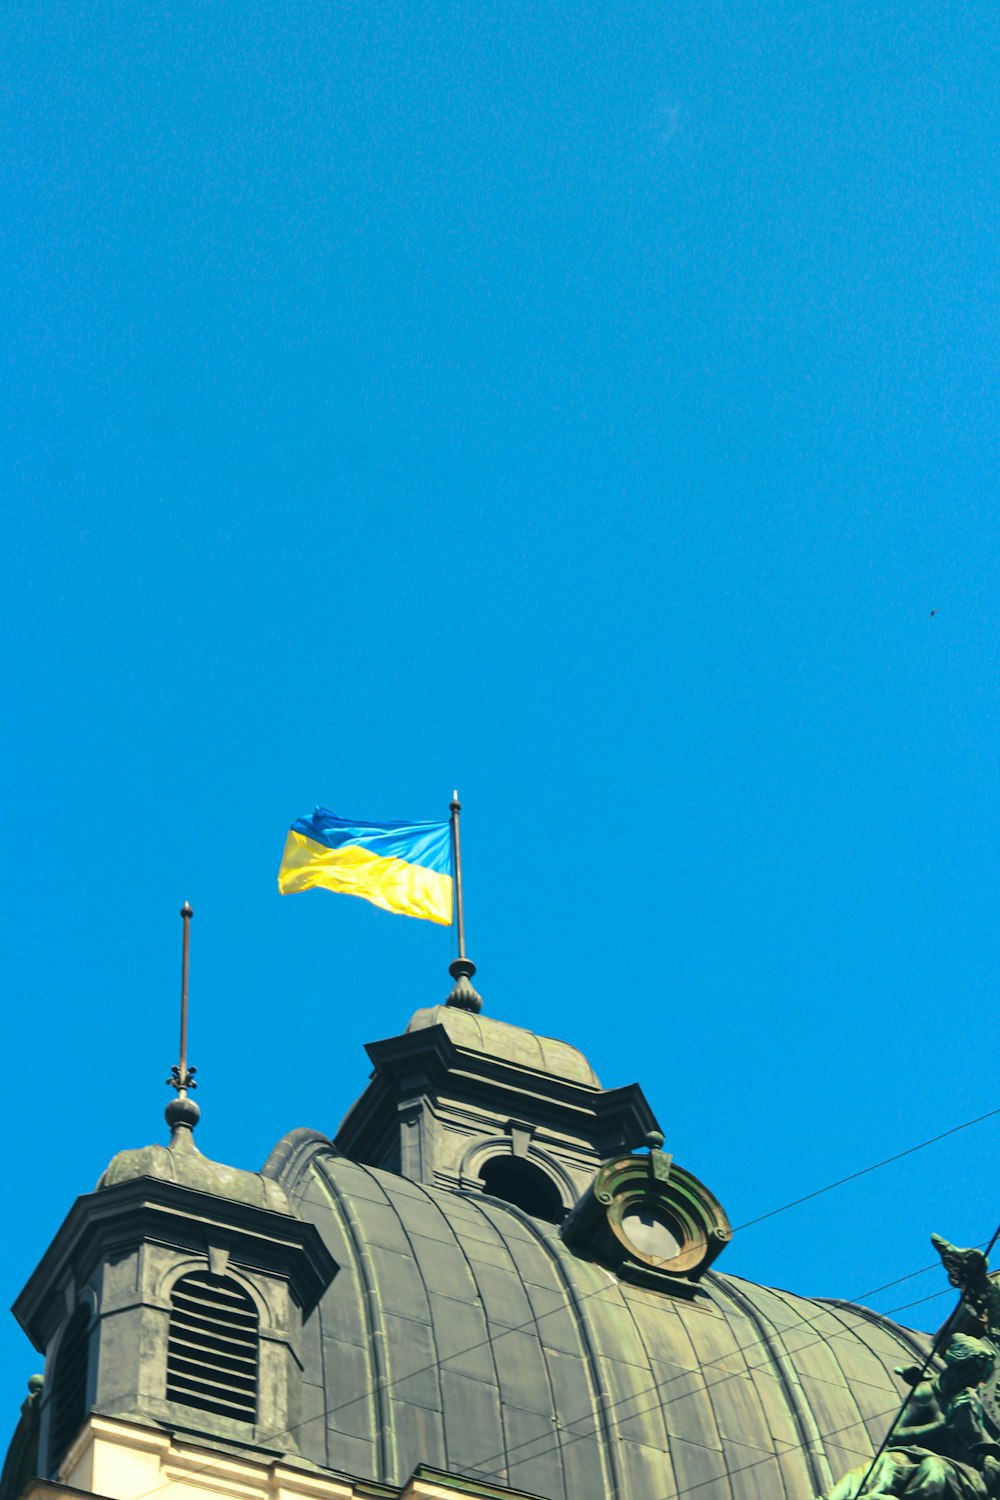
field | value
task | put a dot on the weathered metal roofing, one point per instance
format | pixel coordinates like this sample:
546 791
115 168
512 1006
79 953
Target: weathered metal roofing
463 1334
182 1162
514 1044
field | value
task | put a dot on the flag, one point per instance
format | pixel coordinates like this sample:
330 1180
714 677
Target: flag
404 867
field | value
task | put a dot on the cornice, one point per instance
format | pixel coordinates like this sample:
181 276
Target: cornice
428 1064
116 1219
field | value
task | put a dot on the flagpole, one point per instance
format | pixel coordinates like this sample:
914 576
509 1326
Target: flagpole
463 996
456 849
182 1067
183 1113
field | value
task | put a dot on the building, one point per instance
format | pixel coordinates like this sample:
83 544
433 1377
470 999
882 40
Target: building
494 1281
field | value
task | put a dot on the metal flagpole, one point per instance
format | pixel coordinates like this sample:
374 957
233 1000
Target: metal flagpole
463 996
456 849
182 1068
183 1113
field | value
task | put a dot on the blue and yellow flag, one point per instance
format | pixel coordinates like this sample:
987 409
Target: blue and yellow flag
404 867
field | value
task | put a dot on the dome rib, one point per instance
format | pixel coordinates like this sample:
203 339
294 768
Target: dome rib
374 1343
521 1453
686 1450
581 1349
526 1398
916 1344
807 1430
468 1344
407 1335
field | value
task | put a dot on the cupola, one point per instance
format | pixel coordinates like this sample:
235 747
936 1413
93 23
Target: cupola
175 1294
461 1100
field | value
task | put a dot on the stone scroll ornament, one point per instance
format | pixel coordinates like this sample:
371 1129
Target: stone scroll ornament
943 1444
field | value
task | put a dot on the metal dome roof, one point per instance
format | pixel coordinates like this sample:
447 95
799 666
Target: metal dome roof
499 1039
463 1334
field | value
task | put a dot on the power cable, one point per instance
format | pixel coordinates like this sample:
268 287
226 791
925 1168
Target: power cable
863 1172
747 1224
681 1374
822 1437
708 1386
771 1457
938 1341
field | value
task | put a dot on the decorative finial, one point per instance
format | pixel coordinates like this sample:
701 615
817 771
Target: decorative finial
182 1114
463 996
654 1140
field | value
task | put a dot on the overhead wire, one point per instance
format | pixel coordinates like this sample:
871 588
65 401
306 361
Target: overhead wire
863 1171
821 1437
749 1223
703 1389
613 1286
332 1410
823 1311
708 1386
936 1345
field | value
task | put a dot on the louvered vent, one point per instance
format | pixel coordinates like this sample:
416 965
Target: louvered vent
212 1349
69 1385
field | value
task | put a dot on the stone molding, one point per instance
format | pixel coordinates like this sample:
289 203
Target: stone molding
126 1461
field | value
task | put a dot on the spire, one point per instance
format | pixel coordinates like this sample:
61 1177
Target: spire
463 996
182 1114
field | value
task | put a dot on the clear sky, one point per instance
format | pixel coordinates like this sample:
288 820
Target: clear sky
586 406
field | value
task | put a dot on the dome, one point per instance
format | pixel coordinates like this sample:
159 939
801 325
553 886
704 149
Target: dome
512 1044
495 1275
463 1334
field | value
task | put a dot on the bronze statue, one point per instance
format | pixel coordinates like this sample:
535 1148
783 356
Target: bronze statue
968 1270
941 1446
940 1449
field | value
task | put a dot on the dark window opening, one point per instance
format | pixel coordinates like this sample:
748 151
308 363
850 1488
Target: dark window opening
212 1347
526 1186
69 1385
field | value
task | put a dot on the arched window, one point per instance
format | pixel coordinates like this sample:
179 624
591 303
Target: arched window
526 1186
69 1385
212 1347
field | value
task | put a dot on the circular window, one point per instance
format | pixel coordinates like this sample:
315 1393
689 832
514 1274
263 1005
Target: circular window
650 1232
650 1220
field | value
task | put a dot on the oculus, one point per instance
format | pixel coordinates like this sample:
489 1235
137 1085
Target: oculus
649 1220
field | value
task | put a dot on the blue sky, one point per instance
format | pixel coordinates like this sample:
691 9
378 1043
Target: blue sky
584 406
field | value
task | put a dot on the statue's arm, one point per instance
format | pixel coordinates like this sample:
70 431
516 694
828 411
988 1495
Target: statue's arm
922 1421
918 1435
